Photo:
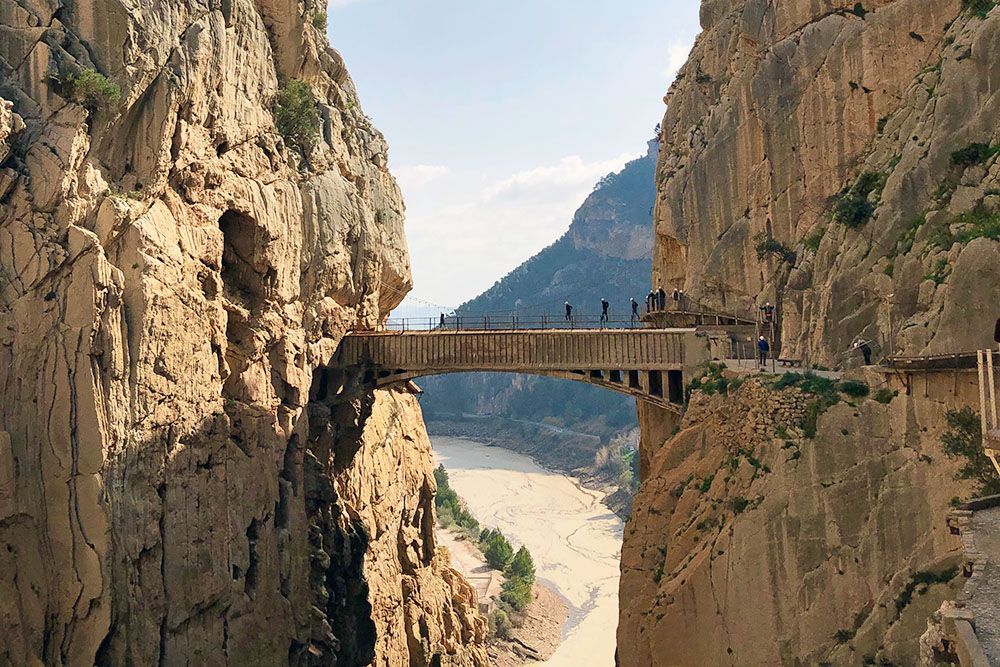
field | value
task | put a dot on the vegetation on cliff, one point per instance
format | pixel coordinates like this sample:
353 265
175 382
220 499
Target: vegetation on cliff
91 89
296 116
964 441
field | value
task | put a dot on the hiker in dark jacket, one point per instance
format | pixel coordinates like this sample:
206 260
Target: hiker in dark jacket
569 312
661 298
604 311
866 351
650 301
762 348
635 308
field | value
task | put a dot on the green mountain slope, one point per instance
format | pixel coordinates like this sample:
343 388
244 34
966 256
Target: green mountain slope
605 253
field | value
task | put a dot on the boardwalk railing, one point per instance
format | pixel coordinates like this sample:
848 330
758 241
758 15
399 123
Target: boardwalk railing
501 322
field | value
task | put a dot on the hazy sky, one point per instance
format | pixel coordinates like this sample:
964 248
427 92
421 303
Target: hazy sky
501 116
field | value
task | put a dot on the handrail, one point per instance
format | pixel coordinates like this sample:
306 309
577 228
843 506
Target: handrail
500 323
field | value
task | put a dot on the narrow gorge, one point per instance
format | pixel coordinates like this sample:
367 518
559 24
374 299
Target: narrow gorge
196 214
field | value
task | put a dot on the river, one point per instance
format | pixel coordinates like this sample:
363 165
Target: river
574 539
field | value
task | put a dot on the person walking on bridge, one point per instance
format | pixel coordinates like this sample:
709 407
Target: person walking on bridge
569 312
635 308
661 298
604 311
762 350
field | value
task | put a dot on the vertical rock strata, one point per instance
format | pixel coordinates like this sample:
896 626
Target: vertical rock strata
785 106
751 542
172 272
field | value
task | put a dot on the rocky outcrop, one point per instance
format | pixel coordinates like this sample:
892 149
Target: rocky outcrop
172 272
827 136
751 543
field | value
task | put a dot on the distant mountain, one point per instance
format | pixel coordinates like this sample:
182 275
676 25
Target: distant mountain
606 252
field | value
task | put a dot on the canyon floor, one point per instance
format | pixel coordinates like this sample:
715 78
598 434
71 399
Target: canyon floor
574 538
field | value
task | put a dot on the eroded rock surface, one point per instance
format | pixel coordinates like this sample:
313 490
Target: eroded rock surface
838 159
784 107
751 543
171 274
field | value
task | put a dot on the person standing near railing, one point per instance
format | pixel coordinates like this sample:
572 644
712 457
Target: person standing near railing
635 308
762 349
661 298
569 312
604 311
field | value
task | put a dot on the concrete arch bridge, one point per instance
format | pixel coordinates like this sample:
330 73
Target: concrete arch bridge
651 365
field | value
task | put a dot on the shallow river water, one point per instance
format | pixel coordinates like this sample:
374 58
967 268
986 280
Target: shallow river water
575 540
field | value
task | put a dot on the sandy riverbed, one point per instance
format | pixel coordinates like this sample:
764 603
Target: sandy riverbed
574 539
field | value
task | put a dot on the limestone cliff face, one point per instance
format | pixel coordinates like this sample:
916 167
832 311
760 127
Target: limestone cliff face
174 488
782 108
753 544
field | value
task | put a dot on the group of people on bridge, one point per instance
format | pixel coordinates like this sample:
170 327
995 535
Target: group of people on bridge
656 300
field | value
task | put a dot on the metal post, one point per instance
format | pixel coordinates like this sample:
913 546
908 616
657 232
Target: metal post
774 367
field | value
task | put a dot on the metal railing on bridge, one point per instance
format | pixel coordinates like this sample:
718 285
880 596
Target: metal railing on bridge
501 322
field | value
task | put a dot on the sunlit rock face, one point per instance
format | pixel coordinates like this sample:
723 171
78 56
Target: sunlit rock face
172 272
784 106
751 543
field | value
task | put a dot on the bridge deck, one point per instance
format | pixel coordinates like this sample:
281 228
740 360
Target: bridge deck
533 350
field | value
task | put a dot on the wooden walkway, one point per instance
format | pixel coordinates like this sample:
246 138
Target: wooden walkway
649 364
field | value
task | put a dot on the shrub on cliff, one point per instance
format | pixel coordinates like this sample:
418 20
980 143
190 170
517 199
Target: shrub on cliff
296 116
964 440
979 8
852 206
974 154
92 89
854 388
766 246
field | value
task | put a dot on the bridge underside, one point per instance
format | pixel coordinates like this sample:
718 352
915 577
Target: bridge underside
664 388
648 364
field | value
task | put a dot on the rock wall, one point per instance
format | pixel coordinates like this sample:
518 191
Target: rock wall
172 273
777 115
838 159
751 543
